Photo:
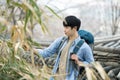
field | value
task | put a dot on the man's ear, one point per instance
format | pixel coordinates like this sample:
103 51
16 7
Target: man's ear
75 28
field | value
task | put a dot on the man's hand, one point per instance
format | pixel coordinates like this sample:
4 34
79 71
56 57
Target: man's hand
35 51
75 57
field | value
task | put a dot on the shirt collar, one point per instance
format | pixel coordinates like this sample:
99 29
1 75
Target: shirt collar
76 40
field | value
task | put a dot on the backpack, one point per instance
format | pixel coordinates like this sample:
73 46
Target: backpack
87 36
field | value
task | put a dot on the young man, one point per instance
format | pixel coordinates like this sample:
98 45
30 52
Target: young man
65 61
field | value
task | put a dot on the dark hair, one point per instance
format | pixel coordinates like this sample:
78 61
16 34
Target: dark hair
72 21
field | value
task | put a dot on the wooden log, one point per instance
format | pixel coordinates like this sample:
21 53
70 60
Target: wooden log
116 44
109 44
107 49
115 60
114 72
110 63
118 76
108 68
107 39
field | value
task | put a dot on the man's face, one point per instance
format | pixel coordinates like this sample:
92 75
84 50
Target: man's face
69 31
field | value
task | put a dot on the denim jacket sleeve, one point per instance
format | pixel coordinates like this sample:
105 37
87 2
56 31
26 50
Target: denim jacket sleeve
52 49
86 53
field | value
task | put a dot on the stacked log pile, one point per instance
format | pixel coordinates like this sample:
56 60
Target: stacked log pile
107 51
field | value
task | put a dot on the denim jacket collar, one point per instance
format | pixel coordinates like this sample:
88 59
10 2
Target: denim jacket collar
76 41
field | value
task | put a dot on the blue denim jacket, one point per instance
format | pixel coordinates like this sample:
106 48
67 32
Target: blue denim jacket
84 54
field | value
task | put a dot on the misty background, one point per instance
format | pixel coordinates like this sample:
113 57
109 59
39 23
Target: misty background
100 17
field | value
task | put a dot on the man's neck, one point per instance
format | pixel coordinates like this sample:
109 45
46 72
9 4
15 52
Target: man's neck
73 37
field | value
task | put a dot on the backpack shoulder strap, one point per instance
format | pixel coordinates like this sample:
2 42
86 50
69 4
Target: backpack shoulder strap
62 42
78 45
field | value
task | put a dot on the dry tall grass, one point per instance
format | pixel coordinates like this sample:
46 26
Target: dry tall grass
95 71
17 21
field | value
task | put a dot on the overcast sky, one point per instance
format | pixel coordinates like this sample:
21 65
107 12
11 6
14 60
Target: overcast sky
63 4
